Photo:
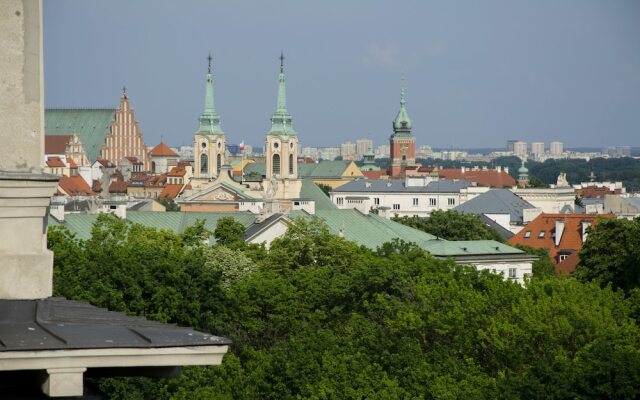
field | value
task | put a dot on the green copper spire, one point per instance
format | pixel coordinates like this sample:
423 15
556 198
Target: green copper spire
281 119
209 119
402 122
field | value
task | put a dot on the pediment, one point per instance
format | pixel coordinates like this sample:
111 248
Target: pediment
216 194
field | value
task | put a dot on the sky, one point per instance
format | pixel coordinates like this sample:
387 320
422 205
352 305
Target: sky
476 73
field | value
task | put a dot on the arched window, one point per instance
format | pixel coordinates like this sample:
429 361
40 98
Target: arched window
153 166
204 163
218 163
275 167
404 158
290 164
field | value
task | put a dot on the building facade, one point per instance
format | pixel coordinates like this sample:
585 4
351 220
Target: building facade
402 143
556 149
125 139
209 141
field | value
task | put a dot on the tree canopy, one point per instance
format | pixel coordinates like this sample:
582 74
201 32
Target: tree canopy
452 225
319 317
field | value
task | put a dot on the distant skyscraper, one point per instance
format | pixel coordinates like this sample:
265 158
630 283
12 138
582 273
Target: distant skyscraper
382 151
537 148
363 145
510 144
520 149
328 153
556 149
348 151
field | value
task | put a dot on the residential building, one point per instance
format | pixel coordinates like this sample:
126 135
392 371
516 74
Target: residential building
328 153
363 145
163 158
412 196
66 146
556 149
504 208
424 152
624 206
559 198
402 143
511 145
537 149
561 235
520 149
382 151
588 190
348 151
617 151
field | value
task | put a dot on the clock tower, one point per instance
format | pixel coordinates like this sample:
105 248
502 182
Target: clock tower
402 142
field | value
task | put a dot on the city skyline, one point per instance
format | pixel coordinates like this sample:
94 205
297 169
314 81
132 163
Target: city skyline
474 76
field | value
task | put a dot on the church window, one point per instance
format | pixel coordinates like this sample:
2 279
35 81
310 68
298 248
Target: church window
219 162
276 145
404 157
291 145
291 164
204 145
275 167
204 163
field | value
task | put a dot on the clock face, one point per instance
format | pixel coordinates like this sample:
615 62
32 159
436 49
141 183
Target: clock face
404 148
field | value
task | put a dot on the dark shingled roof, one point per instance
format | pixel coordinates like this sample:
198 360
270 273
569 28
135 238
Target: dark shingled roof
60 324
399 186
497 201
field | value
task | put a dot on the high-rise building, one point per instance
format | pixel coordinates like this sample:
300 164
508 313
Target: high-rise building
348 151
556 149
520 149
328 153
510 144
363 145
537 148
402 143
209 141
382 151
617 151
311 152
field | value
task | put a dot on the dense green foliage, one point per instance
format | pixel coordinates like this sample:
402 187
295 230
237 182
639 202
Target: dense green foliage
228 231
318 317
169 204
326 189
451 225
611 254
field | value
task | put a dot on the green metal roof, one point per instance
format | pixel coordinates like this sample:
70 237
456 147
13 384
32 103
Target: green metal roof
311 191
323 169
91 126
445 248
81 224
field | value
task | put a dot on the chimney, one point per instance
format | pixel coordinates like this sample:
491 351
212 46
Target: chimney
506 170
559 231
584 226
462 169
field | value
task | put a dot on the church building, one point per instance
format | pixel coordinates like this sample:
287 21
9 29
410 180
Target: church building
209 141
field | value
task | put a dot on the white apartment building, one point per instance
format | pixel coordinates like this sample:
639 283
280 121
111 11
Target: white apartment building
348 151
362 146
412 196
520 149
556 149
537 149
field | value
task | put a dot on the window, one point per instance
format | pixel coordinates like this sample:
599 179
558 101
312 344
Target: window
339 201
376 201
291 163
541 235
527 234
219 163
513 273
432 201
415 201
204 163
396 206
562 257
275 165
451 201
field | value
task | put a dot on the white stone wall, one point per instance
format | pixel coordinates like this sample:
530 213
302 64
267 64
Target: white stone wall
426 202
522 269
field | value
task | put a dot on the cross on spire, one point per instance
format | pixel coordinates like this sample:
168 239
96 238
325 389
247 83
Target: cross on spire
209 58
281 61
124 91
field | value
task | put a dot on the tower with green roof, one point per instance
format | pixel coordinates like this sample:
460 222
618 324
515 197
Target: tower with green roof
523 174
402 143
209 140
281 147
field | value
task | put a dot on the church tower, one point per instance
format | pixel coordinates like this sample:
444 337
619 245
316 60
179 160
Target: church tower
402 142
281 147
210 142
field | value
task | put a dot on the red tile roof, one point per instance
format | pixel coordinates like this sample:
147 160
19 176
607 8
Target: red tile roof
540 233
96 186
118 186
569 264
134 160
106 163
75 186
54 144
170 191
162 150
594 191
72 164
55 162
375 174
487 177
177 171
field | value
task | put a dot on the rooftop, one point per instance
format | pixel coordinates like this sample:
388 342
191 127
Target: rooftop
497 201
399 186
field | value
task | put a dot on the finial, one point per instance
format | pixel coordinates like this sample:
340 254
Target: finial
281 61
209 58
124 91
402 101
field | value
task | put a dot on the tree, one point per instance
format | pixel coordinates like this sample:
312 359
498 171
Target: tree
611 254
536 182
169 204
228 231
452 225
325 188
543 267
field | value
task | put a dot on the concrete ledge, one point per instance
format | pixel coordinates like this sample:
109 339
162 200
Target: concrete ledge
61 382
112 357
26 276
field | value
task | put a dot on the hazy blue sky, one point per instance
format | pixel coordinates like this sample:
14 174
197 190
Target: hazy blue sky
477 72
